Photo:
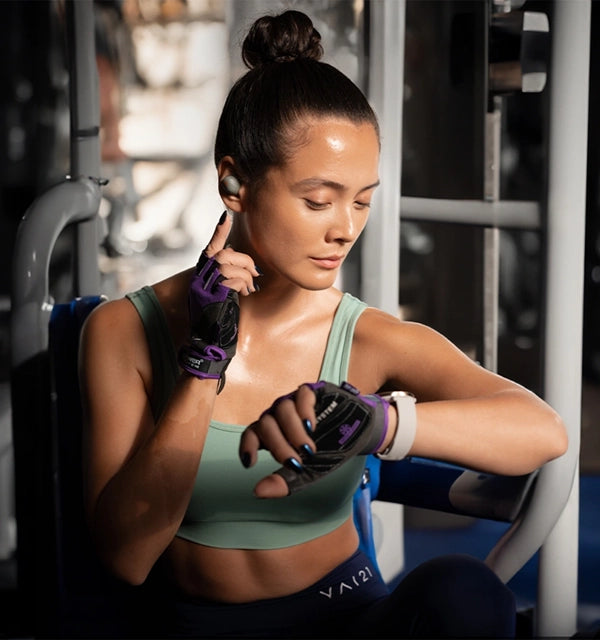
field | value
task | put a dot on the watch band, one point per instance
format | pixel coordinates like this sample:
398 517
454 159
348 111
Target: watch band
406 428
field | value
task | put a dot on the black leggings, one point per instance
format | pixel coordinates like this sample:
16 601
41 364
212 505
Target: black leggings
451 596
448 597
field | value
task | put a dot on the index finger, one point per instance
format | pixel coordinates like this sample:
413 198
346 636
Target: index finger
220 234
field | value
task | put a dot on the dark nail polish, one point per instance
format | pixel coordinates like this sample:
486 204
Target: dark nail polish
259 270
307 425
246 459
223 218
294 465
307 449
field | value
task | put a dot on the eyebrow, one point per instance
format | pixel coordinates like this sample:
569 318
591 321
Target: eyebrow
331 184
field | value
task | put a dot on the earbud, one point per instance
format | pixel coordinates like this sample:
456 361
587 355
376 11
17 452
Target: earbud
231 185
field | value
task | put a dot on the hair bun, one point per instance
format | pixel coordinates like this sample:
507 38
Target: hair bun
282 38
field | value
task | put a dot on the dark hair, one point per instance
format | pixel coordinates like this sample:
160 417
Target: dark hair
286 82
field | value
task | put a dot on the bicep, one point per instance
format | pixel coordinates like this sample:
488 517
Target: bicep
413 357
443 372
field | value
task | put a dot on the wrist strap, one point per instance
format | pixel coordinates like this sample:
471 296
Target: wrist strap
208 363
406 428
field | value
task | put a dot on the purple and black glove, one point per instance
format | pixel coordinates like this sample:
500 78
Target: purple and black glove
348 424
214 318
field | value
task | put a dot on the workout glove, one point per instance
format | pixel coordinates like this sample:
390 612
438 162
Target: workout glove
348 424
214 317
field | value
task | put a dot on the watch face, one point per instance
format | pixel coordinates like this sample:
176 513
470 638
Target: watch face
402 394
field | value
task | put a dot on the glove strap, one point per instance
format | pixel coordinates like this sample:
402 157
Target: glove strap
205 363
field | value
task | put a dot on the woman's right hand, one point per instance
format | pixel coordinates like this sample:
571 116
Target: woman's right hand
213 305
238 269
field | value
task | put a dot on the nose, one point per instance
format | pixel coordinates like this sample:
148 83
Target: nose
344 227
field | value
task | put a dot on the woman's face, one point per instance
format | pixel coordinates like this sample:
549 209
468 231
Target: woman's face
306 215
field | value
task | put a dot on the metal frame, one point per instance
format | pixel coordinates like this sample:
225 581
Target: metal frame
566 207
552 517
75 200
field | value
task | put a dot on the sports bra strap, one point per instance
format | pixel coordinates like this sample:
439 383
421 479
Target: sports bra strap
337 355
165 369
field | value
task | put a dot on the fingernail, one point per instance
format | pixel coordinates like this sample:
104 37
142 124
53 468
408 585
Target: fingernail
256 287
223 218
246 459
307 449
258 270
294 465
307 425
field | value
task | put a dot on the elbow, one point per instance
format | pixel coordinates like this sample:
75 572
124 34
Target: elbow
122 563
132 579
133 576
556 438
561 440
546 442
124 560
126 572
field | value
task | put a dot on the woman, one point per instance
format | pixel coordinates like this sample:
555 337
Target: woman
173 374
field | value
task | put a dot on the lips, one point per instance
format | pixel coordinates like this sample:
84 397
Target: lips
329 262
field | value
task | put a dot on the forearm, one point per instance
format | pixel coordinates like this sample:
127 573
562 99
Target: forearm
511 432
138 512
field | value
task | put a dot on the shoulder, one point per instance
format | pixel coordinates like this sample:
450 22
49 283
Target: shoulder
122 318
114 318
376 328
115 364
405 355
113 336
115 330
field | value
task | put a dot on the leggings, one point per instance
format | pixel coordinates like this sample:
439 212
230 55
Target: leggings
452 596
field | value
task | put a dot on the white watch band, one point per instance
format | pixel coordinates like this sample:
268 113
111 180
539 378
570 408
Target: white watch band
406 428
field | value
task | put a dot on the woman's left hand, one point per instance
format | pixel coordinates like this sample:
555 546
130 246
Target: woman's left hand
312 432
284 429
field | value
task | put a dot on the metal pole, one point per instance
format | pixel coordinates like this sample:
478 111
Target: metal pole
85 130
504 214
70 202
567 166
491 239
380 249
381 238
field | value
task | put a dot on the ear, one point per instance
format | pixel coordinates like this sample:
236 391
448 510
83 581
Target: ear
231 188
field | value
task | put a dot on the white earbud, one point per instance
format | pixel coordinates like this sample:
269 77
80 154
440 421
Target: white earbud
231 185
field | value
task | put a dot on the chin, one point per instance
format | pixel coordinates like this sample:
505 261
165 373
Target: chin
319 284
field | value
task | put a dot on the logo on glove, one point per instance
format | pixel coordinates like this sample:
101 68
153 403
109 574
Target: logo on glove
346 431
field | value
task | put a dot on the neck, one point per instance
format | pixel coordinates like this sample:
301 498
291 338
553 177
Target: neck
278 298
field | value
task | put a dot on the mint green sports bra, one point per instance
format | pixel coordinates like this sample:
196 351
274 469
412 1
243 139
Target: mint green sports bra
223 511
